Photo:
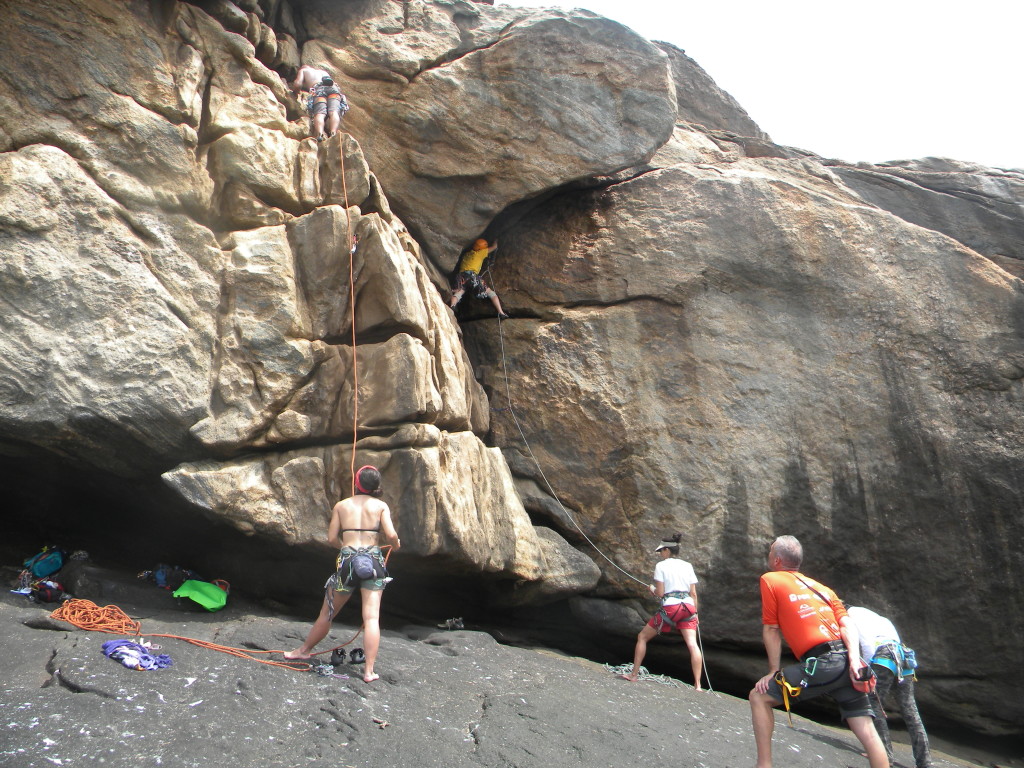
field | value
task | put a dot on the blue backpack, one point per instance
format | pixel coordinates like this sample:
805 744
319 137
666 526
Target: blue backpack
46 563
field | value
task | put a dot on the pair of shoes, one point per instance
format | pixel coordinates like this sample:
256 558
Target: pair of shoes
356 657
451 624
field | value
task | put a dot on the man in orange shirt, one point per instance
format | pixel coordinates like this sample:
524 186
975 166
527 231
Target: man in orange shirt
813 622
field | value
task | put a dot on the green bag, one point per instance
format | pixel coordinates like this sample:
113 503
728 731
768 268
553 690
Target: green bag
208 595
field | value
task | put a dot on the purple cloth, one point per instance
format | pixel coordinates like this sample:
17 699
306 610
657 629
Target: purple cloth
135 656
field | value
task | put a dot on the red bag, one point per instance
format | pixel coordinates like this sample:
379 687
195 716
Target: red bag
866 680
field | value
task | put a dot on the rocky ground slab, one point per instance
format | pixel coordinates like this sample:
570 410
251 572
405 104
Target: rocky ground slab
445 698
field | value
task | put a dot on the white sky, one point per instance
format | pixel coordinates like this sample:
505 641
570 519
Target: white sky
867 80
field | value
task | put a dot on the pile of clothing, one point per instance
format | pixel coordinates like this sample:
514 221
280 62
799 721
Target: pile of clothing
135 656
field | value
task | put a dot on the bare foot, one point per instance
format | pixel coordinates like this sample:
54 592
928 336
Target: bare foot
631 677
297 655
370 677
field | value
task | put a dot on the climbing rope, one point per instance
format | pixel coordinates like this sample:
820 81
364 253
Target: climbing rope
351 245
643 675
703 666
86 615
515 419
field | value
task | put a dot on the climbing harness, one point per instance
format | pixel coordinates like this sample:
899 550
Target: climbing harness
902 662
86 615
515 419
809 669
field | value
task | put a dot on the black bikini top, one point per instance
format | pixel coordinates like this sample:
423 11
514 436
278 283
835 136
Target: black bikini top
362 530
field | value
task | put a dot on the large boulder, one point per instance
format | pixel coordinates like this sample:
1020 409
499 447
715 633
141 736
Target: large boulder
106 344
747 349
714 334
700 101
979 206
464 110
195 283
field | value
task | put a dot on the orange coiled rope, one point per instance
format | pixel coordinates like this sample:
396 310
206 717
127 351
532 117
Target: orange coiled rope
85 614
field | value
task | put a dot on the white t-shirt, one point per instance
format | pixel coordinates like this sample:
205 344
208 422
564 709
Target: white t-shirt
677 576
874 631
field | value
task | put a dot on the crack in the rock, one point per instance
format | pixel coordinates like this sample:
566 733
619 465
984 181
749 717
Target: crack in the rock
453 56
623 301
58 677
898 180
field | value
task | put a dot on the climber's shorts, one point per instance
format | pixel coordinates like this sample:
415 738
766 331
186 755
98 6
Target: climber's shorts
322 105
343 581
831 678
672 618
471 281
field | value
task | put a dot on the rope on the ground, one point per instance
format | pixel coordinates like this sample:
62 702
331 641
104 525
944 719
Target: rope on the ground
86 615
643 676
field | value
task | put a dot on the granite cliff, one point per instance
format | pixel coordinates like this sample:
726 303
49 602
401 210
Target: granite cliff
711 333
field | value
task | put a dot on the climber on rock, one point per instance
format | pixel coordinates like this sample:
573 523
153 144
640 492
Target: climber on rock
325 102
469 276
306 78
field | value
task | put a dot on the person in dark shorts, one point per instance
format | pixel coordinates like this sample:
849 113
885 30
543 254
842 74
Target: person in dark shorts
468 278
815 625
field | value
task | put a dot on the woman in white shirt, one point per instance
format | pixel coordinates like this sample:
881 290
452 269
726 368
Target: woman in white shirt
675 584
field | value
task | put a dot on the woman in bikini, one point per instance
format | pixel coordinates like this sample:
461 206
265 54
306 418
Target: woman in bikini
355 528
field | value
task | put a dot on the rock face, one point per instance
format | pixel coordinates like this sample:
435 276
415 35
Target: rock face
466 110
177 256
749 348
712 333
976 205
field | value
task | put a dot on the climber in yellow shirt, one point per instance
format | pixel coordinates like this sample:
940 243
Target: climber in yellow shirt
469 276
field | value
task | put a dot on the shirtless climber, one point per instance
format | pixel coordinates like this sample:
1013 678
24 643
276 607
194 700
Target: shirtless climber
325 100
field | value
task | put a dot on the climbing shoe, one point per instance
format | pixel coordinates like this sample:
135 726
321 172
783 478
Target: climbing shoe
357 656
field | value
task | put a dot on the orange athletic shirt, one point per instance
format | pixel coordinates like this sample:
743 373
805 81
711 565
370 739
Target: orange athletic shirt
804 618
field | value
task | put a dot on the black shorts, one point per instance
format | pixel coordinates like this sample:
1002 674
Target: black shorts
472 282
831 677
